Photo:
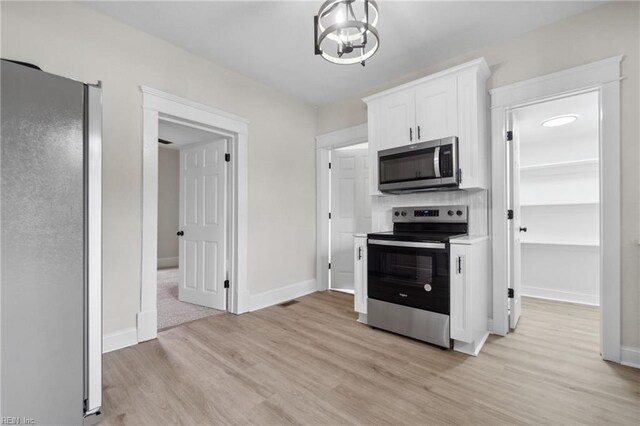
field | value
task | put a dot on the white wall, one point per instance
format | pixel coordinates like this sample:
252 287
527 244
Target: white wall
567 273
168 206
603 32
72 40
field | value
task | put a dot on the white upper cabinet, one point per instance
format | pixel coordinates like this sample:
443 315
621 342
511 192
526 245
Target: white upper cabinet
450 103
436 109
397 115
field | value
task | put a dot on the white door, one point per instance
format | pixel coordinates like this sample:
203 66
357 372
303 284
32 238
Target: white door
203 220
515 305
397 120
437 109
350 211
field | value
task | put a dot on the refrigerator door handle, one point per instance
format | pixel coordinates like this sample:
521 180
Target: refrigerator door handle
93 176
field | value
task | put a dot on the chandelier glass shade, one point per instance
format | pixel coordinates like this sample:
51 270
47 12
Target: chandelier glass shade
345 31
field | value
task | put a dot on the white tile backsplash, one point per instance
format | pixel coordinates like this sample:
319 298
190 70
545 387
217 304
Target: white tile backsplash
477 201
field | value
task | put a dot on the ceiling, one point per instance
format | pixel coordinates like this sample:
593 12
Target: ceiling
585 128
272 41
181 135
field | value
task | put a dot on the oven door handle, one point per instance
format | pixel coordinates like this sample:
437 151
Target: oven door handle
413 244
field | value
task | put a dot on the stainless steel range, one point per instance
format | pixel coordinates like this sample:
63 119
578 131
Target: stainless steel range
408 272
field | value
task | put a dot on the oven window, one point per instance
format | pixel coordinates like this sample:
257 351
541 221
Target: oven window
408 268
409 166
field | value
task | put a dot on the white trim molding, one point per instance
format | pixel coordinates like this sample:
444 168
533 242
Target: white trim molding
630 356
344 137
564 296
324 144
602 77
479 64
119 339
158 105
280 295
168 262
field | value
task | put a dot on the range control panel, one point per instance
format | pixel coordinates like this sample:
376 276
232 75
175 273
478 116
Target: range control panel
457 214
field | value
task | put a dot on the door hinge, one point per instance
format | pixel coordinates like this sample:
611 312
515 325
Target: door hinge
226 283
227 157
509 136
329 215
510 293
329 265
329 165
509 214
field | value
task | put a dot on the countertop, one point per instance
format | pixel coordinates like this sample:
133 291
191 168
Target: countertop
468 239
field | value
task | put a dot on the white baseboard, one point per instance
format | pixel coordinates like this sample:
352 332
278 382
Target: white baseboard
563 296
147 325
630 356
168 262
119 339
279 295
472 348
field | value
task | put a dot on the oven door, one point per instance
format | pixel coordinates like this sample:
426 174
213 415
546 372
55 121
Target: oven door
414 274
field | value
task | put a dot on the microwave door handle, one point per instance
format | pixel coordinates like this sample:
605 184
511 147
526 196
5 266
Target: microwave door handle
436 161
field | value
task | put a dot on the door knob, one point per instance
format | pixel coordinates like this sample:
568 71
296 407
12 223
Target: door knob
523 229
180 233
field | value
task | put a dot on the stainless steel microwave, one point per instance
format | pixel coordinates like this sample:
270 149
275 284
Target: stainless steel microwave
419 167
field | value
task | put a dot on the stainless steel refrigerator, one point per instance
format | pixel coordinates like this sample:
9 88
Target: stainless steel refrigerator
50 248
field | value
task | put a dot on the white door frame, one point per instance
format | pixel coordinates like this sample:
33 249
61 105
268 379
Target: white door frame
601 76
324 144
158 105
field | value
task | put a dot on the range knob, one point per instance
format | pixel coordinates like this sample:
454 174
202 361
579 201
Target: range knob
450 212
459 212
404 213
397 214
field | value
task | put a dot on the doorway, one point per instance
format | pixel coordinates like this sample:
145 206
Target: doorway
349 211
161 106
601 77
192 224
329 153
554 205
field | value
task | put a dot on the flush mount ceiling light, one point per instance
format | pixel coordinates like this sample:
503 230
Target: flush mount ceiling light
345 31
560 120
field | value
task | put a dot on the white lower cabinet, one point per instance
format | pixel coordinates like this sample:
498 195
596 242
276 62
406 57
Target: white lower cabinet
360 277
470 281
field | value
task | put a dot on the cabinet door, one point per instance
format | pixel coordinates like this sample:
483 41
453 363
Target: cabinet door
397 120
461 327
373 125
472 132
437 109
360 275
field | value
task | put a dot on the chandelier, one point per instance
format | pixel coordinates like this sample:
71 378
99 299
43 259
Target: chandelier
345 31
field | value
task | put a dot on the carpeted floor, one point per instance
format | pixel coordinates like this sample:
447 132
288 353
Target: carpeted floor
171 311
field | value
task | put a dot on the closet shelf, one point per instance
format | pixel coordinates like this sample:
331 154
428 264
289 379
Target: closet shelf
581 203
559 243
560 165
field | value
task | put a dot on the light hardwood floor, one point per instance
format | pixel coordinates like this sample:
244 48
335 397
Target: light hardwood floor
312 363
